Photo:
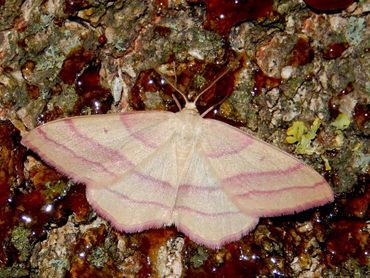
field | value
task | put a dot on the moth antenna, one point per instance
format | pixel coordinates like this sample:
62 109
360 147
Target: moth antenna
176 101
173 86
213 106
211 85
207 111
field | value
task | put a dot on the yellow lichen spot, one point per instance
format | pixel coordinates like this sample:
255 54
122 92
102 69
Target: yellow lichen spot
342 121
295 132
300 134
327 164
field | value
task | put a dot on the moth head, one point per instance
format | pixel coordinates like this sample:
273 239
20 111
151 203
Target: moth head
191 106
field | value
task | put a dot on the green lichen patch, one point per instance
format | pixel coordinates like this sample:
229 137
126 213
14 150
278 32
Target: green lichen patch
98 257
198 259
8 12
362 159
14 271
355 32
20 238
57 189
59 265
65 100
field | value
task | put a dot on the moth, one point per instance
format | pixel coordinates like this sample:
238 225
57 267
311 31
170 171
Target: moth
150 169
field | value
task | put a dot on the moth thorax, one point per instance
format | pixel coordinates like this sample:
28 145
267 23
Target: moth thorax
186 137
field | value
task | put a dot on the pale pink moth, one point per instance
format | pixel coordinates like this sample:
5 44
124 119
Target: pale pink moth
151 169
